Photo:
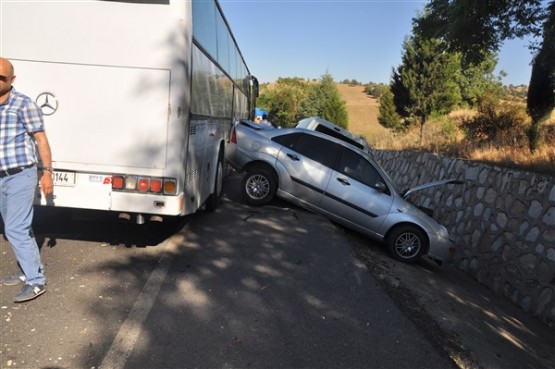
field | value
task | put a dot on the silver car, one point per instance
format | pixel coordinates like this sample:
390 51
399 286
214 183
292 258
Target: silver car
333 178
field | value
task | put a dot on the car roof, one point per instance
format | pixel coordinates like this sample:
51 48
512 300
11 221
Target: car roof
322 125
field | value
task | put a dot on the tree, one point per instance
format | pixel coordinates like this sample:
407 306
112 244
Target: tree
328 102
283 101
474 27
375 89
541 93
389 118
427 79
292 99
477 79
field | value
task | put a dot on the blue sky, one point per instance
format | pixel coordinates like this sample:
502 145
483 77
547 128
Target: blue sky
350 39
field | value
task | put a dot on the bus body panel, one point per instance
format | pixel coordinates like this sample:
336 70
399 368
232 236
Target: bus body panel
122 75
119 124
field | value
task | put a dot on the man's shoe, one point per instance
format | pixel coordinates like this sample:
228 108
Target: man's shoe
29 292
14 279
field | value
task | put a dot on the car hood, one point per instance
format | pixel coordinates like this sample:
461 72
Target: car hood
424 186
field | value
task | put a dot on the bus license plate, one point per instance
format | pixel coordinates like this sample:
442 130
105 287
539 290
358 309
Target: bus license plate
63 178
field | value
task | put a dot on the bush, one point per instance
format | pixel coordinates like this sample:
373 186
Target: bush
498 123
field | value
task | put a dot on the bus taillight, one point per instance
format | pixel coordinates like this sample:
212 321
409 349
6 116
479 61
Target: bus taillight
117 182
156 185
130 183
170 186
143 185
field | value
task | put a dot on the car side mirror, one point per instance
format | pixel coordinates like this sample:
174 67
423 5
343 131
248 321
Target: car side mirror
380 186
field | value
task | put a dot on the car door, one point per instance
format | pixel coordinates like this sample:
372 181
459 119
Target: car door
308 160
353 195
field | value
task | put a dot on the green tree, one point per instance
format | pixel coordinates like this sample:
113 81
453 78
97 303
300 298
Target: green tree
477 79
375 89
476 26
541 93
292 99
389 118
328 102
401 96
429 77
283 101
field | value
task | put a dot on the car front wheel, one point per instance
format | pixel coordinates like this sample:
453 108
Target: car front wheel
258 187
407 243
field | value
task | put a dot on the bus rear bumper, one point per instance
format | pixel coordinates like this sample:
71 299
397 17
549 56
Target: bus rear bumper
103 198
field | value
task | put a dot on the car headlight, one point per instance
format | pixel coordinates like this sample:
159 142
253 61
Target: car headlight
443 232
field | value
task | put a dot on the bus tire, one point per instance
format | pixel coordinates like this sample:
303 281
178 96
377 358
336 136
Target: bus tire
214 199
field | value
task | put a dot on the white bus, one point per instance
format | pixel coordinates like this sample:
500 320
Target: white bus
139 98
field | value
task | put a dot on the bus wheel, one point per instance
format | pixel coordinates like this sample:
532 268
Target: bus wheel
214 199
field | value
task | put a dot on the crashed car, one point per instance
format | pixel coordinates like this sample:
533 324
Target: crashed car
325 126
338 180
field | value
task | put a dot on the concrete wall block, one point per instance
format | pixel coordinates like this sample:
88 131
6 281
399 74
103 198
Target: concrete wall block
535 210
544 300
549 217
503 221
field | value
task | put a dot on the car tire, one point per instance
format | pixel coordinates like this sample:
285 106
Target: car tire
258 186
407 243
214 199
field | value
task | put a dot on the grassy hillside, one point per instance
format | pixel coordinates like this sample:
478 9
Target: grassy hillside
446 135
363 113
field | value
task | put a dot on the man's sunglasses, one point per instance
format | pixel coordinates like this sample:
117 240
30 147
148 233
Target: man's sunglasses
5 78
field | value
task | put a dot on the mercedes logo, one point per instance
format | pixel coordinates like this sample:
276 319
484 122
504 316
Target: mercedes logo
48 102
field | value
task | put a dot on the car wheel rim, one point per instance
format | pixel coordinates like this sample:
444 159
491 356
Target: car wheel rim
258 187
407 245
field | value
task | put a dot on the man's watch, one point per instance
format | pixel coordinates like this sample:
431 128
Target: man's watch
47 169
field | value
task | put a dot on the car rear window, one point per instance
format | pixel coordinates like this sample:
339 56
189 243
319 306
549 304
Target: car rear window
331 132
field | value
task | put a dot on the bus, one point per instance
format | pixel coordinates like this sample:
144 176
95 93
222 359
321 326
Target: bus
138 97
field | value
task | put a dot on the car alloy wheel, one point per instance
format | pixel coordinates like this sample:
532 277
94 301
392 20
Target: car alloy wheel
407 243
259 187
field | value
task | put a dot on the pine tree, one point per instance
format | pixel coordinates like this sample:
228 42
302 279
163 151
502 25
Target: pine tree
428 76
389 118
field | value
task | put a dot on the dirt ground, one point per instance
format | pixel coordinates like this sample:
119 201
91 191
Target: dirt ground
475 327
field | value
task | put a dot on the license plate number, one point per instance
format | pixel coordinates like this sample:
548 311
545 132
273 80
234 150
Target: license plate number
63 178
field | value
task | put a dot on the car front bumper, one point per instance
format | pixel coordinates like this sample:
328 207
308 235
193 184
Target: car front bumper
442 249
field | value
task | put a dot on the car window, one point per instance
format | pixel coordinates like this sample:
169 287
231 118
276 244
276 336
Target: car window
358 167
315 148
287 140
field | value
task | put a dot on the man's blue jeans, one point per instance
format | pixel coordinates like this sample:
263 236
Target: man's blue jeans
16 206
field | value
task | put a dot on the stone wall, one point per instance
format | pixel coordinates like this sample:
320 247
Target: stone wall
503 221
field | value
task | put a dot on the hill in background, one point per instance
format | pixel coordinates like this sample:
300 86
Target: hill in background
363 113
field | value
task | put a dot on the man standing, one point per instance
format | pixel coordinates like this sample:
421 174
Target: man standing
21 134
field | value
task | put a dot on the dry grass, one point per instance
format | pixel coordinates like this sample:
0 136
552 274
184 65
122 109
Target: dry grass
448 136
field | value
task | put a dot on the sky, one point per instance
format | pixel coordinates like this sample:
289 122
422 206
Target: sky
349 39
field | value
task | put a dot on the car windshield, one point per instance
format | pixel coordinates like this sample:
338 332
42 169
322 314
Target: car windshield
382 172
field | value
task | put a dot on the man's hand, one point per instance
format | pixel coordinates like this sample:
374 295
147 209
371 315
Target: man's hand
46 184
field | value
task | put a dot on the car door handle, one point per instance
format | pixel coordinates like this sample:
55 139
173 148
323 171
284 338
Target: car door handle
343 181
293 157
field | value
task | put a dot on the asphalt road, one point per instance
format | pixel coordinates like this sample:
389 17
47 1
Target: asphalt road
268 287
